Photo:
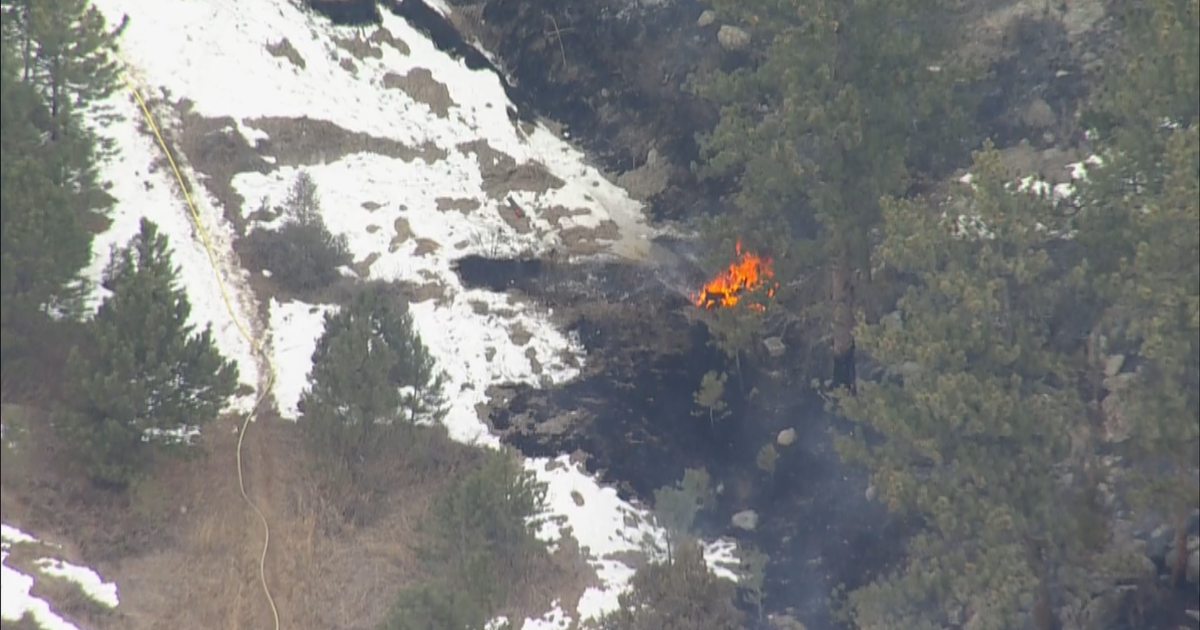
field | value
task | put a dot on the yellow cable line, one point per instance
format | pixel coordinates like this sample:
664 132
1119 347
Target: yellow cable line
256 345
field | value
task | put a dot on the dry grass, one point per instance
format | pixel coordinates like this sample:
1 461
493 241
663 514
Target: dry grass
423 88
284 49
502 175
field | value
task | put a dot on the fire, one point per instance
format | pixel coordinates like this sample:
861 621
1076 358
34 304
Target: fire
748 273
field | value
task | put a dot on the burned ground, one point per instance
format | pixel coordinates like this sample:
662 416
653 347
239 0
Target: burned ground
632 418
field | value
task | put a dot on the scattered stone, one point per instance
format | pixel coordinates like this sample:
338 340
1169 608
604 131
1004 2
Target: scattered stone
1112 365
774 346
746 519
786 437
733 38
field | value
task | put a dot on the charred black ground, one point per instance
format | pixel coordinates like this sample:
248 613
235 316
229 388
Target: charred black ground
633 417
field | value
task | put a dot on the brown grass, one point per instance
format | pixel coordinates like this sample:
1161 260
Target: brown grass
423 88
502 175
284 49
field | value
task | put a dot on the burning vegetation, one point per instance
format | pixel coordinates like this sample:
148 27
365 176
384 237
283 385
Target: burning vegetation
747 273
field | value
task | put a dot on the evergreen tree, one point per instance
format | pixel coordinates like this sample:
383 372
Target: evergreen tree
435 607
44 239
302 255
977 441
65 50
678 595
371 375
485 524
842 101
1138 223
149 376
676 506
1158 309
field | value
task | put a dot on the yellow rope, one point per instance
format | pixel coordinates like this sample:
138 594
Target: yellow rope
256 345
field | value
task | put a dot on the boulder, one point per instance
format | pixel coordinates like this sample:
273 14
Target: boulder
746 519
786 437
733 38
706 18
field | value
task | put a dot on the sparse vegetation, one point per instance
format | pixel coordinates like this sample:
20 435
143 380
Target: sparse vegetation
302 255
709 396
675 507
148 377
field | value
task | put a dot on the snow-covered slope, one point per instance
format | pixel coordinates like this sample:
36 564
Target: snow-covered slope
409 214
16 600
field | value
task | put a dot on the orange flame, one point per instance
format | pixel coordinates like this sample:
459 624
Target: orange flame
748 273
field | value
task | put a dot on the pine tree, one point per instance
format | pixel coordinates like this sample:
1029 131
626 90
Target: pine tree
66 52
977 441
371 376
842 101
482 528
678 595
1138 224
1158 309
149 375
44 241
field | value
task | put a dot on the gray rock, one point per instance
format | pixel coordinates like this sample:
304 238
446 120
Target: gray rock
786 437
746 519
774 346
706 18
733 38
1112 365
1039 115
871 492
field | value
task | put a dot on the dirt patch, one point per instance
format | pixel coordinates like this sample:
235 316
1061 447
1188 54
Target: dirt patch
451 204
519 334
215 148
502 175
284 49
555 214
535 366
359 48
584 241
369 48
403 233
199 570
426 246
362 268
423 88
301 141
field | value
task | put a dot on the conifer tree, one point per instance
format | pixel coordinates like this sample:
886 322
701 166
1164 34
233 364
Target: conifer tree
371 375
978 439
1138 223
44 240
840 103
679 595
148 375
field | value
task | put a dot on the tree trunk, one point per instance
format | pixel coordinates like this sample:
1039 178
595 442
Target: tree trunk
842 296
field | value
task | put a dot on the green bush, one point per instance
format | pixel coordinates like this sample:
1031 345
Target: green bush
302 255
